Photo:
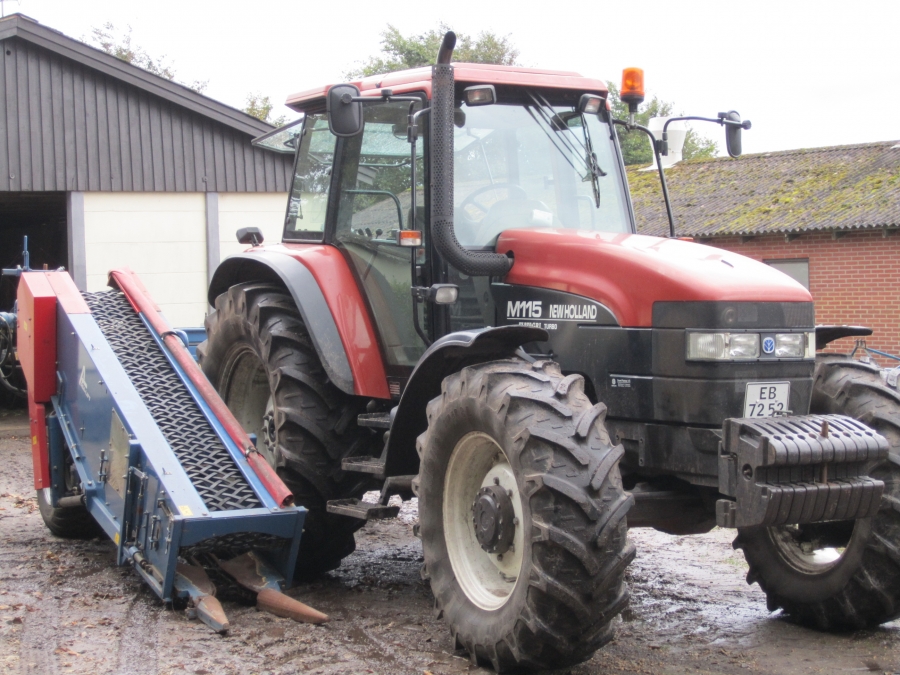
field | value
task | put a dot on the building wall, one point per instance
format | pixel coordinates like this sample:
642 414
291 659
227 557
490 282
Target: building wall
162 237
854 279
242 209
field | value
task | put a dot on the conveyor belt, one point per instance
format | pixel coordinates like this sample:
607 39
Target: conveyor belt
205 459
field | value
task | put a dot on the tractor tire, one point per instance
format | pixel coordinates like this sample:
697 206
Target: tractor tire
259 356
837 576
527 432
73 522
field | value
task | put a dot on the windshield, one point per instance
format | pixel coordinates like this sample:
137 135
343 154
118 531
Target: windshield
520 166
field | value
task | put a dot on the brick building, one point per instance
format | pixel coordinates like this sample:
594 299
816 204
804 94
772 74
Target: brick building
828 217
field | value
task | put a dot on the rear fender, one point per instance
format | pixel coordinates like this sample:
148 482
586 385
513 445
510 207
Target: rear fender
447 355
353 365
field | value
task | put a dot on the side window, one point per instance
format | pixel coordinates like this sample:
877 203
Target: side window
375 199
308 203
375 181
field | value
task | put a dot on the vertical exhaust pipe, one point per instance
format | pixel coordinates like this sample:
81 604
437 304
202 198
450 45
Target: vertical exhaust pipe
471 263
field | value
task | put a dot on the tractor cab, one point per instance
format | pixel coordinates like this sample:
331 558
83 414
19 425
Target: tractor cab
530 150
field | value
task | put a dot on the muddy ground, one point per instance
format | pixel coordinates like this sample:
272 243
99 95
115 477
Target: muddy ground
65 608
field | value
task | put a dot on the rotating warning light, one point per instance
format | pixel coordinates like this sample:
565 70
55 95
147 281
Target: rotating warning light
632 91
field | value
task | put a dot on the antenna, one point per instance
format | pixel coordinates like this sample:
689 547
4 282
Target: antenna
3 6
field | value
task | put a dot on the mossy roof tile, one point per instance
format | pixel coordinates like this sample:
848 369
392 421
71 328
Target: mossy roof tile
835 188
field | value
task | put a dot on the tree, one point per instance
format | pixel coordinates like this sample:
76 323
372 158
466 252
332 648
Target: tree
260 107
120 45
400 53
635 144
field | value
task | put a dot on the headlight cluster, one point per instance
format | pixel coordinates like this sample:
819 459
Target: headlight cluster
750 346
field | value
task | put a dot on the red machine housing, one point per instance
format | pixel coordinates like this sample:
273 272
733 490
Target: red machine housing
629 272
38 294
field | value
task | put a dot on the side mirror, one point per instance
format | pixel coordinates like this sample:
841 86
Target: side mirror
250 235
733 132
345 116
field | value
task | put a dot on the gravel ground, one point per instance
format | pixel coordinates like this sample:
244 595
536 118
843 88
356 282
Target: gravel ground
66 608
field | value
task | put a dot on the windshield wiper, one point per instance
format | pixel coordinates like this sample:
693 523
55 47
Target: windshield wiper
586 149
596 173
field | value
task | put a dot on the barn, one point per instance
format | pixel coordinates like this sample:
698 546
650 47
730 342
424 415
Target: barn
103 164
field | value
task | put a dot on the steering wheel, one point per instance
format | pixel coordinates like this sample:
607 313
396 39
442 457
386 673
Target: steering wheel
471 198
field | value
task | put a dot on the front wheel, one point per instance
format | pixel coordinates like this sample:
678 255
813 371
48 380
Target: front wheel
522 515
839 575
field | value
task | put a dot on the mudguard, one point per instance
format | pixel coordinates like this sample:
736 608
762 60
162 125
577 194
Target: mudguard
352 363
447 355
827 334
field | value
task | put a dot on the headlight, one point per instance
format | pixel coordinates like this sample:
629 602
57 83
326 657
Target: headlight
723 346
790 345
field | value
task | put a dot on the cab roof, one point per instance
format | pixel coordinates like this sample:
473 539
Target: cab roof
419 79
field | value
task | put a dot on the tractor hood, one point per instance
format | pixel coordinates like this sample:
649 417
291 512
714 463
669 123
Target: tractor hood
629 272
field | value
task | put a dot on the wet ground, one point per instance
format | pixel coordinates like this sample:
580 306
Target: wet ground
65 608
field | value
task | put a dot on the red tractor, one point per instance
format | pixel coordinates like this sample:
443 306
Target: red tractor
460 310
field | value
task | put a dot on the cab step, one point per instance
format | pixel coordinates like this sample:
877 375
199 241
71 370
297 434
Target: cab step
381 420
354 508
372 465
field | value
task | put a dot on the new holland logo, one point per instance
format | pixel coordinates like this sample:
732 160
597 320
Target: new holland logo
769 345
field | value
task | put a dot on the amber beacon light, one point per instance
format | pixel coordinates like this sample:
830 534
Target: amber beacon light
632 91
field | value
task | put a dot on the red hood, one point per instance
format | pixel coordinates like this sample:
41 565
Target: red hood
629 272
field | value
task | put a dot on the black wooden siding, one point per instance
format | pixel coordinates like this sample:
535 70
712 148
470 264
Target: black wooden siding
66 127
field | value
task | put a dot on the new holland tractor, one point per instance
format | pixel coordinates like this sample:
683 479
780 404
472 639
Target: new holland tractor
460 310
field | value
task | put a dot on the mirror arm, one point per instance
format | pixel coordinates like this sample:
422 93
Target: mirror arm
662 175
745 124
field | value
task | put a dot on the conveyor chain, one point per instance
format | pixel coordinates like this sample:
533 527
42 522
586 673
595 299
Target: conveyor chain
205 459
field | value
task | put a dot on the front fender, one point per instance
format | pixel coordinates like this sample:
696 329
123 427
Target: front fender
447 355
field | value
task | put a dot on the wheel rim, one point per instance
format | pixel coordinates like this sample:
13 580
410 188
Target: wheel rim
478 463
812 549
246 392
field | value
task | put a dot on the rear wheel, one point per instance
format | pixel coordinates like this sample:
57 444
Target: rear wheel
522 515
843 574
260 358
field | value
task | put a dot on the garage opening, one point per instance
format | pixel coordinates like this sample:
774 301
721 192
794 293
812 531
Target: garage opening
42 217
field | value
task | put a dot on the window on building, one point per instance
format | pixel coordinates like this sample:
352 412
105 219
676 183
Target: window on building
797 269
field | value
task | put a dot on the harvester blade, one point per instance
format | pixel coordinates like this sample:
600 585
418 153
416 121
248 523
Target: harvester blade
252 572
193 581
209 611
279 604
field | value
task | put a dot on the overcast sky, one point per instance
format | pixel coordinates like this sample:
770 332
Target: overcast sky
807 74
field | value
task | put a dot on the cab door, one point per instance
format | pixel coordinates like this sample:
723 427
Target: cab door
374 200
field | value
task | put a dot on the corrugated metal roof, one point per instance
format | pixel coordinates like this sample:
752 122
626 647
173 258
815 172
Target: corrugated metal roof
75 118
835 188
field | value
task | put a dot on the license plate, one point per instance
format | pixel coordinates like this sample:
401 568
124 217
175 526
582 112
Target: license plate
764 399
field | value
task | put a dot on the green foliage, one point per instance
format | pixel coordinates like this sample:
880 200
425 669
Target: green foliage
636 145
119 44
260 107
399 52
